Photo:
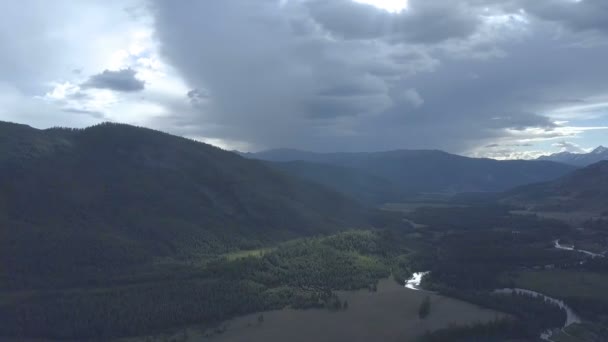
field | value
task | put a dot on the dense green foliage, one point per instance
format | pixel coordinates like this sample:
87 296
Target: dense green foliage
301 274
471 247
473 250
355 183
585 190
130 310
483 218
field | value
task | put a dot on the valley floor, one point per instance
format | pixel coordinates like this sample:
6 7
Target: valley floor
390 314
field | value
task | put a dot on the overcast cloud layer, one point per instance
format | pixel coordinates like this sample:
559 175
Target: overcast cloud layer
504 79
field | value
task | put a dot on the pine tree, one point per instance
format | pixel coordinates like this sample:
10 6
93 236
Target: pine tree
425 308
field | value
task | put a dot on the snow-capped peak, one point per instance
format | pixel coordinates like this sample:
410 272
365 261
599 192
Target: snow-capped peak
600 149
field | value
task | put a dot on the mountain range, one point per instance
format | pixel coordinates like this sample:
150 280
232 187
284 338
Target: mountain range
579 159
394 175
114 195
116 230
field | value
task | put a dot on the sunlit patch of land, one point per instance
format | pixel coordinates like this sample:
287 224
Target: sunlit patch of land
247 253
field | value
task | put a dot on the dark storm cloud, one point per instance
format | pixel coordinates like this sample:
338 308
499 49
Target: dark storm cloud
122 80
521 121
339 75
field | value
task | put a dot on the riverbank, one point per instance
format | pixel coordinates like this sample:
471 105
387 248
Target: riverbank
571 316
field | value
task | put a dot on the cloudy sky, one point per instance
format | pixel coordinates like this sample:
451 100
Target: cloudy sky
495 78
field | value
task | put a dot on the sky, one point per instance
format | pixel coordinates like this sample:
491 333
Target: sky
502 79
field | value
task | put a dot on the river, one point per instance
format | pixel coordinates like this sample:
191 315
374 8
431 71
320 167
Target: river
571 316
414 282
557 245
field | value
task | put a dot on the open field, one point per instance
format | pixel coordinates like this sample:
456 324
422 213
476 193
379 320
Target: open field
561 283
390 314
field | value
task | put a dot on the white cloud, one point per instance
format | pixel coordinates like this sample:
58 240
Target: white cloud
566 146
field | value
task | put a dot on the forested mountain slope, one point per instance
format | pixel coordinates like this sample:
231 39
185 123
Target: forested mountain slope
355 183
115 195
584 189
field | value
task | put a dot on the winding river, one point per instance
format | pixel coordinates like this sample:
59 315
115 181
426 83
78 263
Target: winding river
557 245
571 316
414 282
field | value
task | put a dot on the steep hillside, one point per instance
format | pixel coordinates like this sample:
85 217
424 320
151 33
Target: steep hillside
114 195
584 189
412 171
355 183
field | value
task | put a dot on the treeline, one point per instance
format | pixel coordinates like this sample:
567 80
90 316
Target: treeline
473 251
132 310
301 274
472 247
530 316
483 217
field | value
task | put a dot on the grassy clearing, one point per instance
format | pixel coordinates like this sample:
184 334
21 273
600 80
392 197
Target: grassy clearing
390 314
562 283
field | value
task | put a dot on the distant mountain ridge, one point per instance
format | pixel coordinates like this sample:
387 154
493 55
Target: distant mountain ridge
407 172
579 159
